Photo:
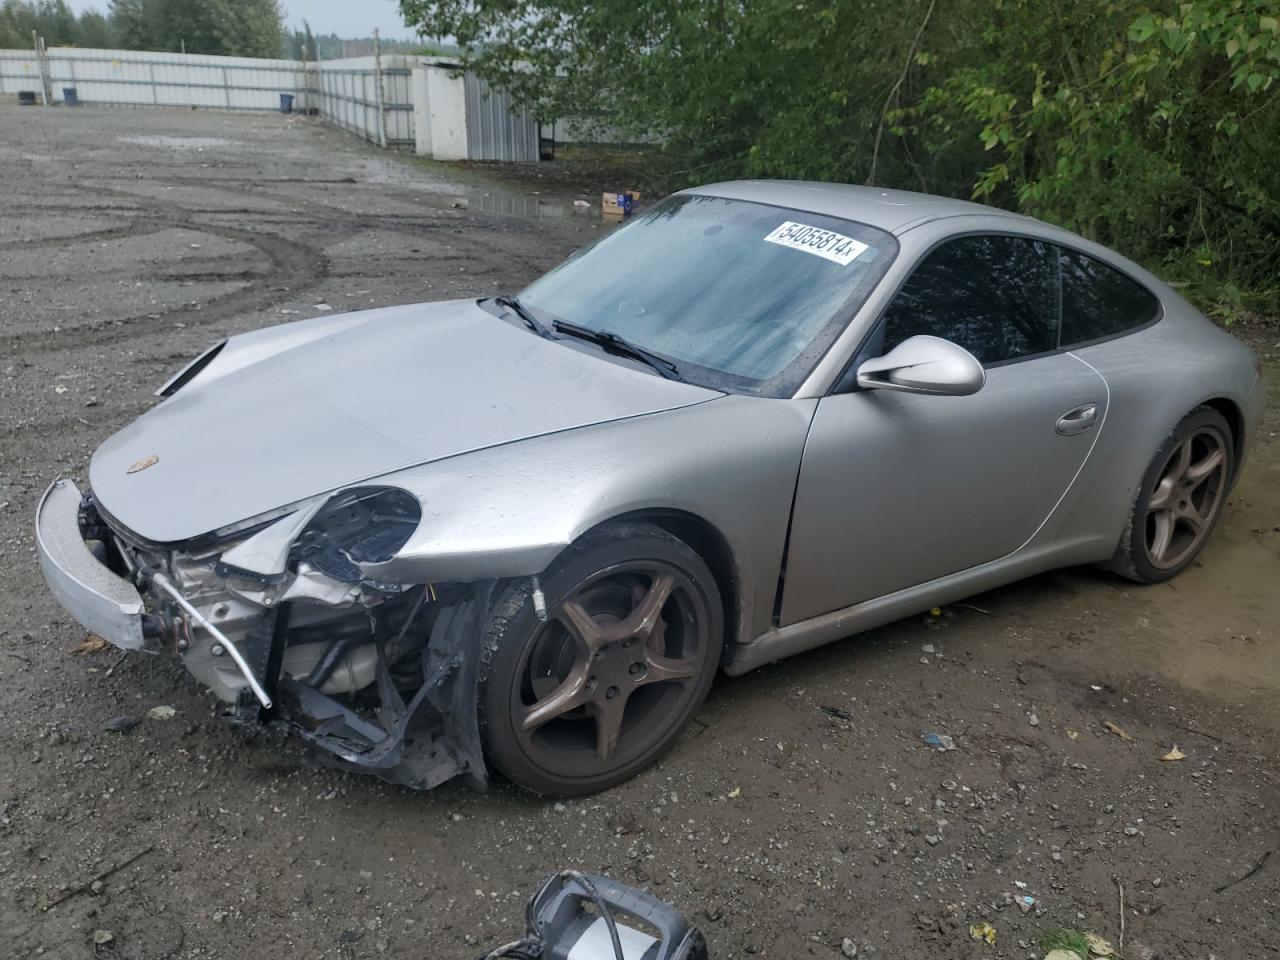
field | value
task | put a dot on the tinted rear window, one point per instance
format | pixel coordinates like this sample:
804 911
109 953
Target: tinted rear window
1098 301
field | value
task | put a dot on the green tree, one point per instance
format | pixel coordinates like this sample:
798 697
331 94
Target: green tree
17 20
1148 131
95 31
56 23
248 28
243 28
1150 125
128 21
300 44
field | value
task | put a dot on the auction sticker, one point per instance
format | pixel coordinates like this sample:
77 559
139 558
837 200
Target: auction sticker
835 247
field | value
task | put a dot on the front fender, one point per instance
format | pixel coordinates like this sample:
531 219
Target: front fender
508 511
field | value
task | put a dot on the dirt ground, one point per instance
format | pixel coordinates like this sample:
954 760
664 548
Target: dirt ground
801 808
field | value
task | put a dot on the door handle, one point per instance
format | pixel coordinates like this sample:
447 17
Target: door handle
1078 420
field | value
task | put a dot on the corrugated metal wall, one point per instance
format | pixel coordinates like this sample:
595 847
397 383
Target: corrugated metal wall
347 95
131 77
345 92
496 129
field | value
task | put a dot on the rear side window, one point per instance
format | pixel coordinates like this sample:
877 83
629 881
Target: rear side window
1098 301
996 296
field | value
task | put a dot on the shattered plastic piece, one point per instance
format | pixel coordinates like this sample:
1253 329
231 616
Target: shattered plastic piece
1118 730
1026 903
983 932
163 712
1098 947
735 792
1174 754
90 644
939 741
102 936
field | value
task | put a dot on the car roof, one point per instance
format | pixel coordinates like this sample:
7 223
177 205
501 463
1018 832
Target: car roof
893 210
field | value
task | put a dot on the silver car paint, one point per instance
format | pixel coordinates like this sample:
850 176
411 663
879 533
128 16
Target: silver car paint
506 512
267 551
924 365
105 603
898 489
396 388
508 509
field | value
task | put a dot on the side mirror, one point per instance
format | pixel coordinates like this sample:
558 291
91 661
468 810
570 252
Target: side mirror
925 364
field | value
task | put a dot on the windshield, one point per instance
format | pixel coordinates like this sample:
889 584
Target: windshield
740 296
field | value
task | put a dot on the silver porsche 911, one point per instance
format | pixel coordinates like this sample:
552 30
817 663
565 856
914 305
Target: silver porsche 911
525 532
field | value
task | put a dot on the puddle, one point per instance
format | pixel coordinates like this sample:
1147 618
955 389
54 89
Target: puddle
180 143
531 206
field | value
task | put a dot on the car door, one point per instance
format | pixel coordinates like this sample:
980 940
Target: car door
897 489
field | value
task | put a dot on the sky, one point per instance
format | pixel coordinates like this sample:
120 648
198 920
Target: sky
346 18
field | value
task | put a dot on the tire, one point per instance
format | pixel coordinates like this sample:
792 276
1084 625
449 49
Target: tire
1190 507
577 704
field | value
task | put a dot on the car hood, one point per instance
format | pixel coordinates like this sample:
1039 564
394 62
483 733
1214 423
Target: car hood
285 414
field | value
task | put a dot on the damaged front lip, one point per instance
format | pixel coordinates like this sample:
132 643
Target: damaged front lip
103 601
416 733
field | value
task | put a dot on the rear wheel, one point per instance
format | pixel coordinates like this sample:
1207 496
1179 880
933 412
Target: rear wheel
1180 500
593 695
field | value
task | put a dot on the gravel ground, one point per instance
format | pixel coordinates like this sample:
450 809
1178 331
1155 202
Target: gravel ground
801 808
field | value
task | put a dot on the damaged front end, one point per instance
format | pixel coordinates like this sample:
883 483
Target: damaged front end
280 619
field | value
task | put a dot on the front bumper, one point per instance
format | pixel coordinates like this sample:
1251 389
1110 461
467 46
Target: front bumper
95 595
415 737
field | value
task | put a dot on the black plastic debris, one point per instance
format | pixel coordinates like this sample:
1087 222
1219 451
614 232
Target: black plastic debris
578 916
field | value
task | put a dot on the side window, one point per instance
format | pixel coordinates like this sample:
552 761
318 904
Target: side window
1098 301
996 296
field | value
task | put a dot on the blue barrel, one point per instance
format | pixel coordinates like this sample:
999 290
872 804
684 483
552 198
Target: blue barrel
286 103
69 97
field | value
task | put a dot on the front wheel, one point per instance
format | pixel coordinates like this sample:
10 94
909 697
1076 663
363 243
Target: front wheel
1181 498
595 693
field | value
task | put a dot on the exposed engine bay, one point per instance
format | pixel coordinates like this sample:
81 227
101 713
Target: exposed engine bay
282 623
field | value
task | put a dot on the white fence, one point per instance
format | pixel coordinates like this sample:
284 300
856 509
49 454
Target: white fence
348 94
422 102
133 78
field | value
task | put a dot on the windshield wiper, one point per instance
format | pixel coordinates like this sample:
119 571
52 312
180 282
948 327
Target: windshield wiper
620 345
520 310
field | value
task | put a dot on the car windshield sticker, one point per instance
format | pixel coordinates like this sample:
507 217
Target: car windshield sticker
835 247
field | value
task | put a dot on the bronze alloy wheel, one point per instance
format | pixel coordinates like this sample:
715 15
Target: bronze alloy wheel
1180 499
595 692
1187 498
608 671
